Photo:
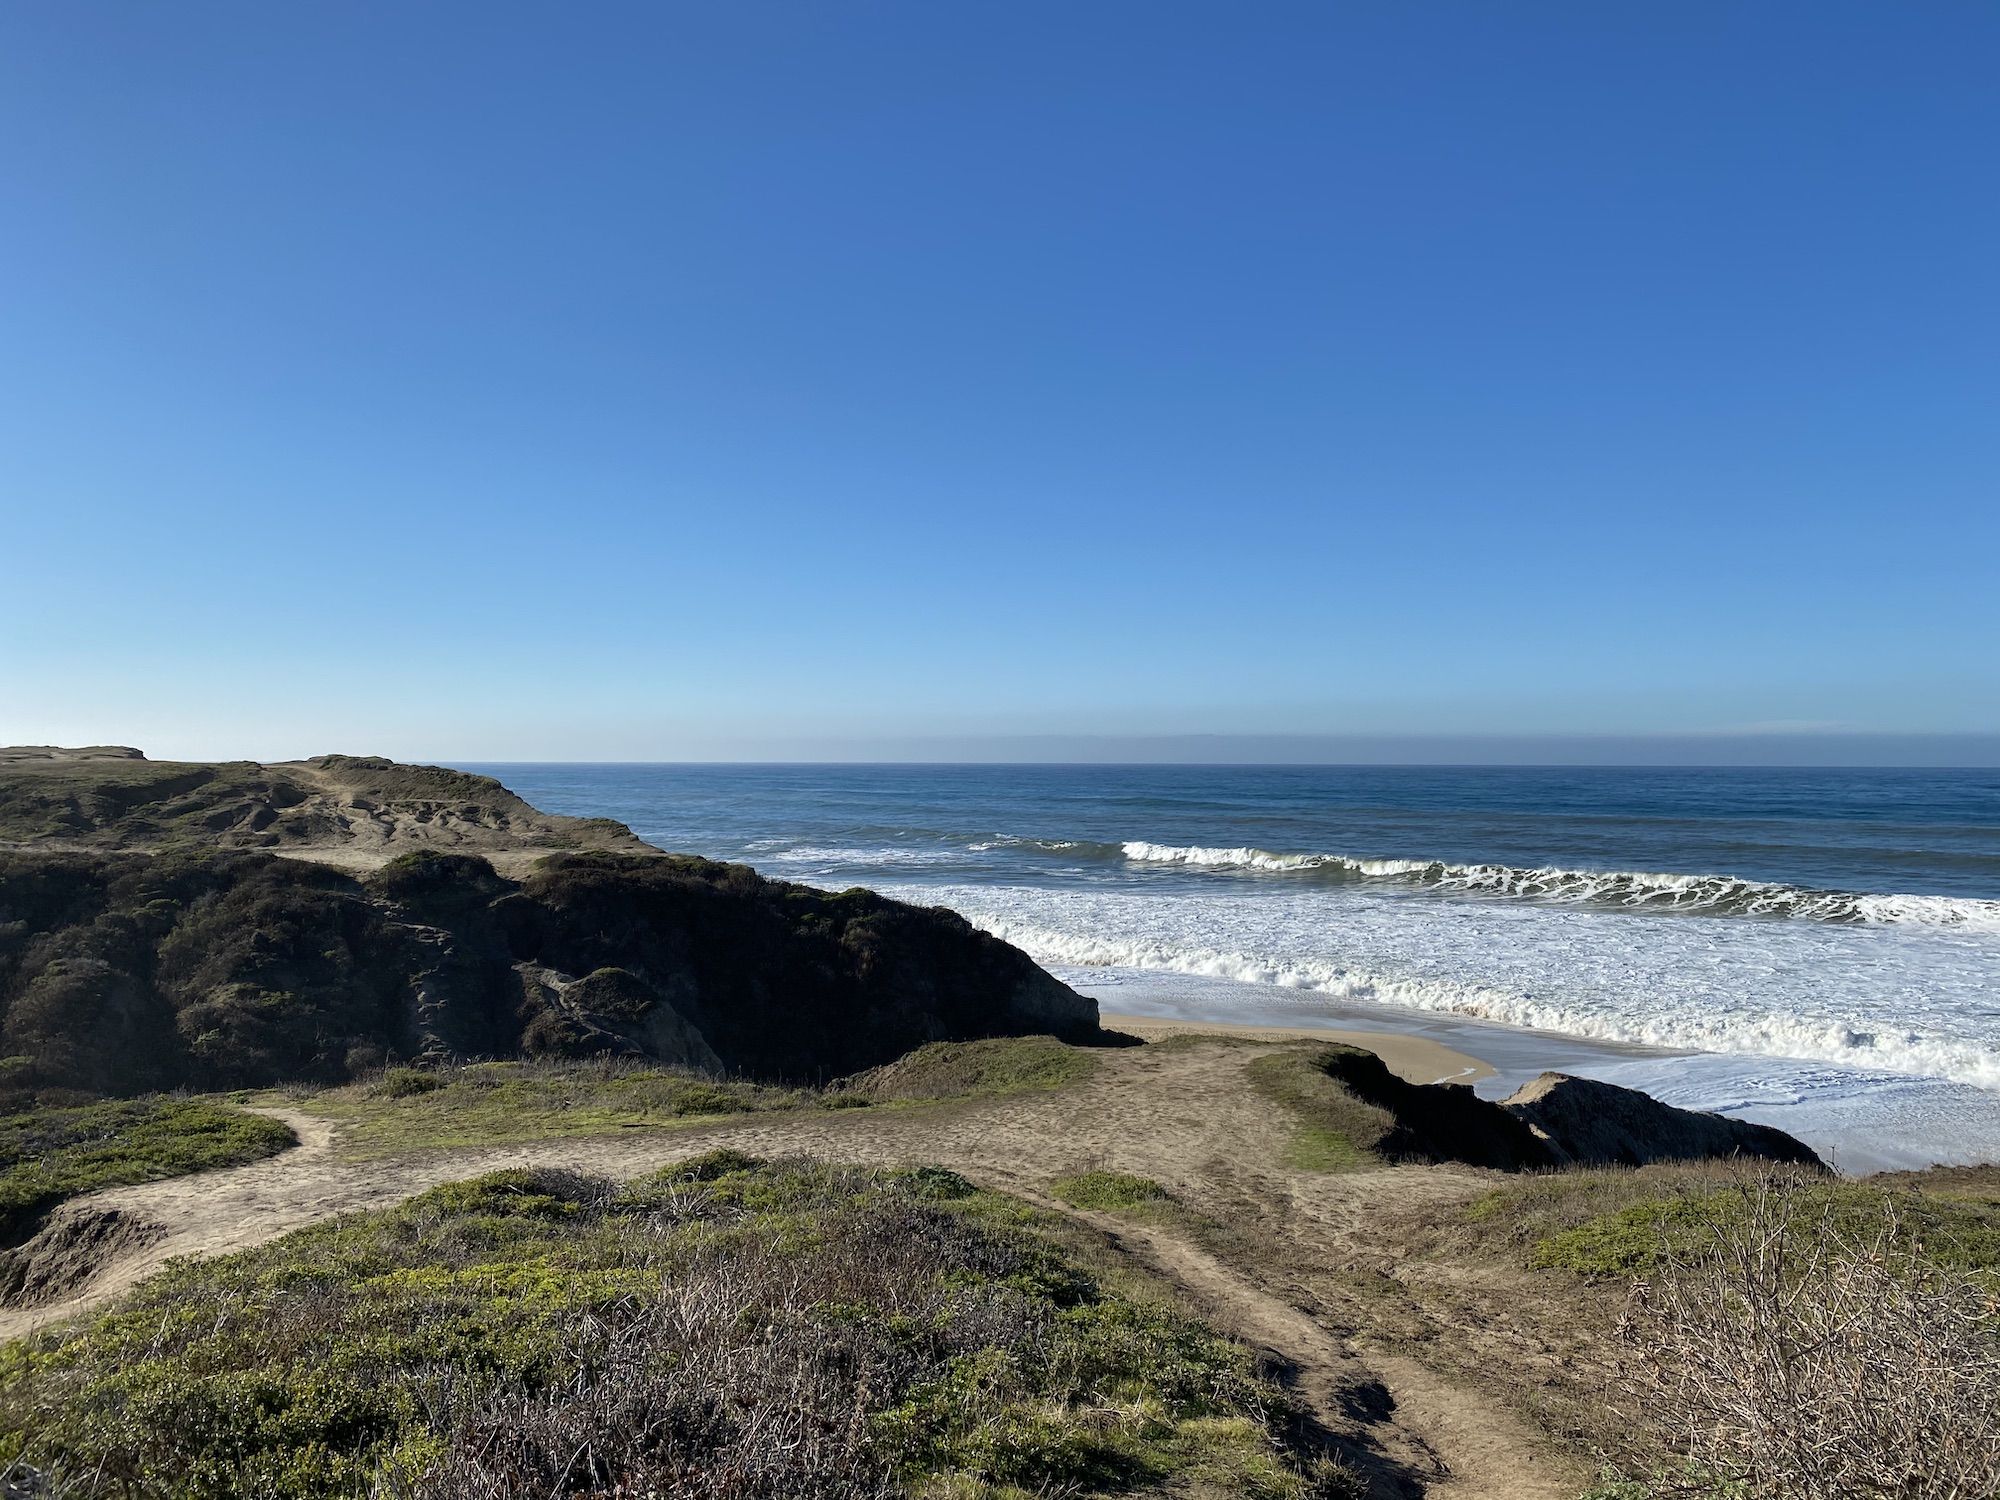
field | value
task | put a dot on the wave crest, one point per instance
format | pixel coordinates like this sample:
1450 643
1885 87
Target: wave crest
1719 895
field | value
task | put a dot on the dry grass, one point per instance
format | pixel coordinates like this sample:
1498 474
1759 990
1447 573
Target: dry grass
1793 1352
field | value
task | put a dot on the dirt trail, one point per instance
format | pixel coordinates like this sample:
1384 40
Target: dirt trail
1182 1116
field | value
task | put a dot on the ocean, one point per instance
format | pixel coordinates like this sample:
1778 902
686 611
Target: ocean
1818 949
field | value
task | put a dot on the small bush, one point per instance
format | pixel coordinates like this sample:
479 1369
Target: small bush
710 1166
403 1083
1110 1191
938 1184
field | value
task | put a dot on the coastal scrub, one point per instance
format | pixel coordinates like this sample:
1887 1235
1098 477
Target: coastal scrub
724 1328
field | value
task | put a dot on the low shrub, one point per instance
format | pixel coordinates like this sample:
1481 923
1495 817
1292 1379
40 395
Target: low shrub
1110 1191
1794 1349
727 1328
402 1083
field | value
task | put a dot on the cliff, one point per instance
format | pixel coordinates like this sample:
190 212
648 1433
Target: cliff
171 925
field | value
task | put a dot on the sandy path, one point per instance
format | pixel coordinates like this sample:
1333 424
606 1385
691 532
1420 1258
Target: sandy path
1183 1116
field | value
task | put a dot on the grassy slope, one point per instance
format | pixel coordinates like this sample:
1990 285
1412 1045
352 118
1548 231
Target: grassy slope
49 1155
1613 1223
495 1103
1333 1130
724 1328
995 1065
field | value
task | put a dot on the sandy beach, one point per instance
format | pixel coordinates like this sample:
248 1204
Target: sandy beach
1416 1058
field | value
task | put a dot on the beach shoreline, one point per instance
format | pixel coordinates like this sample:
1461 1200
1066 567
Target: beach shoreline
1413 1058
1864 1124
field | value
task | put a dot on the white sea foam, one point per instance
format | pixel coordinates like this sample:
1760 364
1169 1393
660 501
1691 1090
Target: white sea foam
1045 846
1708 894
1900 1001
814 855
1825 1039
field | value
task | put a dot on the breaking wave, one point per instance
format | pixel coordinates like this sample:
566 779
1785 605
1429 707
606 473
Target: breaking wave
1886 1048
1718 895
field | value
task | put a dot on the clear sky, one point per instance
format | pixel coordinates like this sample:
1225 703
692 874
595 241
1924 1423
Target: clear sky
492 381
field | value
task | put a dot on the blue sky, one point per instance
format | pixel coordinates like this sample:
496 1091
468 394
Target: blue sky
493 381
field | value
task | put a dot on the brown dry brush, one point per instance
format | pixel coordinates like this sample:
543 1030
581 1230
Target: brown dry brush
733 1384
1789 1355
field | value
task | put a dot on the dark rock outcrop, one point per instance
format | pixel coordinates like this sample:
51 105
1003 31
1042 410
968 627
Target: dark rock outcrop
122 973
150 940
1554 1121
1600 1124
1434 1121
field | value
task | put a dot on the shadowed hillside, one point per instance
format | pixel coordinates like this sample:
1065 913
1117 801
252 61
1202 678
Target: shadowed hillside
151 939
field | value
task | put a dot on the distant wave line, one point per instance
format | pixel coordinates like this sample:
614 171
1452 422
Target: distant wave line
1701 895
1629 890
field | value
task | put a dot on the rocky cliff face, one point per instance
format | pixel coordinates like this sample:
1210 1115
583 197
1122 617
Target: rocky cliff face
150 938
124 973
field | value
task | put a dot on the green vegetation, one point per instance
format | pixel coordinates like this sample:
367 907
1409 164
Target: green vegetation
1110 1191
122 802
725 1328
994 1065
545 1098
495 1102
1958 1233
1333 1131
1614 1222
133 803
50 1155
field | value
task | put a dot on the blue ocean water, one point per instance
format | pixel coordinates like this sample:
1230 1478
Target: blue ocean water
1818 947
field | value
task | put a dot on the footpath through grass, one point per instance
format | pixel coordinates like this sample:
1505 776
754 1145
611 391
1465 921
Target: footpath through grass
726 1328
50 1155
